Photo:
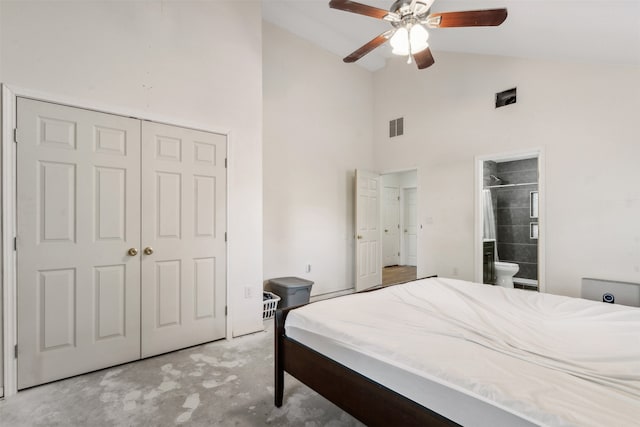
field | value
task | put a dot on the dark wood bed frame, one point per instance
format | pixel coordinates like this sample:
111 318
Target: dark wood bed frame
368 401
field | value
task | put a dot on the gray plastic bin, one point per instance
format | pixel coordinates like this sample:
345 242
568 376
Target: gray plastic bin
291 290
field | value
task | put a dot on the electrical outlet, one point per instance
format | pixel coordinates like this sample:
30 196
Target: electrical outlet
248 292
307 268
455 271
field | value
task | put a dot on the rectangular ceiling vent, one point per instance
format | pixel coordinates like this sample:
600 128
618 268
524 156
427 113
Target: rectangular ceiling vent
507 97
396 127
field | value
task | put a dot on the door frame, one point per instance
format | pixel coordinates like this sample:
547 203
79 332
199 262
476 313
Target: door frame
8 205
542 221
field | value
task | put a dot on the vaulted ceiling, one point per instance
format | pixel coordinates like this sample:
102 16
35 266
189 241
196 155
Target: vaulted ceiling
574 30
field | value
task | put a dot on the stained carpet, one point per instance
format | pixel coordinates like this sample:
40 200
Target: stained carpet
225 383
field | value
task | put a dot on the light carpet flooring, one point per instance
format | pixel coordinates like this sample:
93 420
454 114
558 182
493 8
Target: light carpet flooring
224 383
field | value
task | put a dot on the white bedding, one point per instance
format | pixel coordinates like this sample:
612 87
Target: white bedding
485 355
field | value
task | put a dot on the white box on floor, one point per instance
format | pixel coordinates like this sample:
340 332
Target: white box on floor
612 291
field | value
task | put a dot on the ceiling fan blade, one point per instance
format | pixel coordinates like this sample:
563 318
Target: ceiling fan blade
363 50
424 59
471 18
363 9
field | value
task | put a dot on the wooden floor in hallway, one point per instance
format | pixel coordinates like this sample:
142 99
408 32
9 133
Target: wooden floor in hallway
398 274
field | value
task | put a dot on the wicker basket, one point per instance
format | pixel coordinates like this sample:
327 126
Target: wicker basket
269 305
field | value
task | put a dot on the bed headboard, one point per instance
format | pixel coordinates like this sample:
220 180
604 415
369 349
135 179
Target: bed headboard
625 293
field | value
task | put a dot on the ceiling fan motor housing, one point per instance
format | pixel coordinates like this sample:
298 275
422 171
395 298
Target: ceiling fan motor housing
403 7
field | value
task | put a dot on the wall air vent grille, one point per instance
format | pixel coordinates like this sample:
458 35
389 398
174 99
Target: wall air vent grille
396 127
507 97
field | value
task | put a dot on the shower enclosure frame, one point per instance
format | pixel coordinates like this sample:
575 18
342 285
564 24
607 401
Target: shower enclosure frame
479 212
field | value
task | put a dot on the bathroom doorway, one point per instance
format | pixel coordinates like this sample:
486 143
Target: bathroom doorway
399 231
509 244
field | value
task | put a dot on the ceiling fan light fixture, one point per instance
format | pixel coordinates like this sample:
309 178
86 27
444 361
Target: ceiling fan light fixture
400 42
410 21
419 37
409 41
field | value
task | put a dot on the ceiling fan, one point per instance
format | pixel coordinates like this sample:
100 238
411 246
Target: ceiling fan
409 19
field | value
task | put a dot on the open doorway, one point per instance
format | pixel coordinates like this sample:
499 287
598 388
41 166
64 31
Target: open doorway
399 226
509 220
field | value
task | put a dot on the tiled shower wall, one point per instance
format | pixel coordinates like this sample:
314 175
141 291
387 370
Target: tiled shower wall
490 168
513 216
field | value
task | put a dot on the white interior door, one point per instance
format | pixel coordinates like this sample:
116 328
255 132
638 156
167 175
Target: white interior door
183 224
391 226
78 213
368 253
410 226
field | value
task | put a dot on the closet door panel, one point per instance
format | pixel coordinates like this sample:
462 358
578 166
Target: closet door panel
183 224
78 213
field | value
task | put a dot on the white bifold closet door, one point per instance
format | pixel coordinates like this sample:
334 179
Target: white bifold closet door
78 213
120 253
391 226
183 222
411 226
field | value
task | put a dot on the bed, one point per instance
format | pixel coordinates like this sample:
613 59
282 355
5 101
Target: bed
449 352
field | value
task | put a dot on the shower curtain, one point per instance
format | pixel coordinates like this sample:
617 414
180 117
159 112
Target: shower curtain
489 217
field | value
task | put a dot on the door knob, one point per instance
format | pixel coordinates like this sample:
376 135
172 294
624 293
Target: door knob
148 250
405 230
359 236
132 252
386 231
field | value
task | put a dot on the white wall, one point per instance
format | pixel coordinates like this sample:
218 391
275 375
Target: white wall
409 179
585 117
317 130
406 179
191 62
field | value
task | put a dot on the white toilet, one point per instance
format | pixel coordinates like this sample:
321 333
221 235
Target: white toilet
505 272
